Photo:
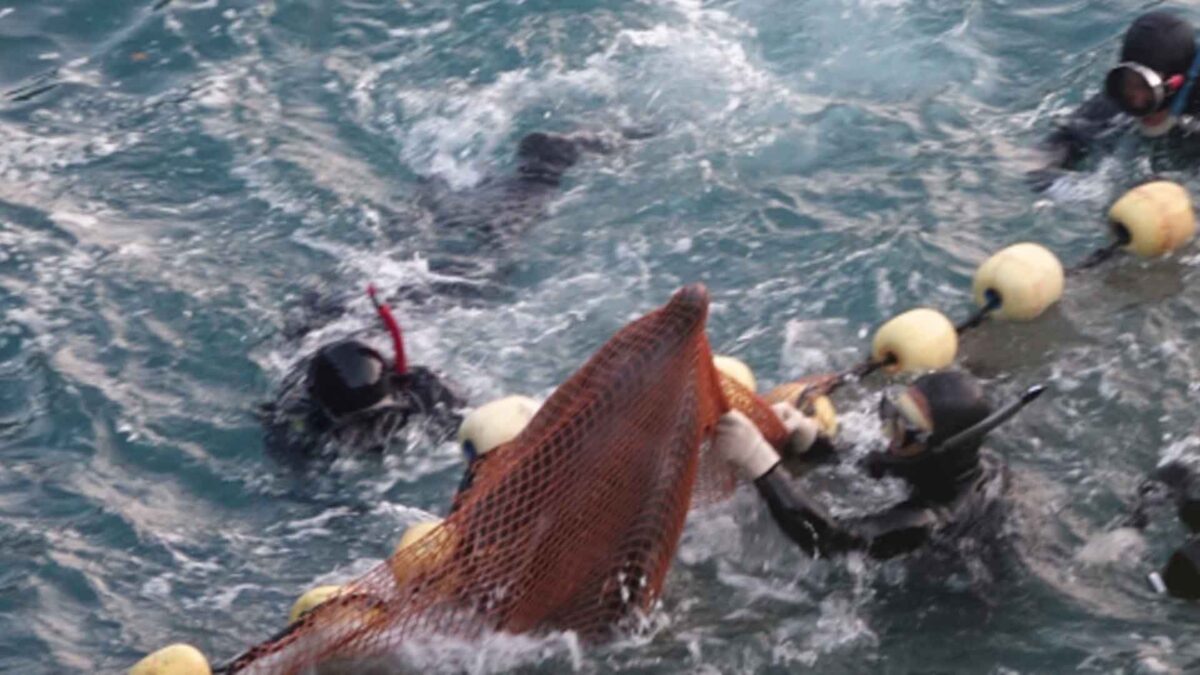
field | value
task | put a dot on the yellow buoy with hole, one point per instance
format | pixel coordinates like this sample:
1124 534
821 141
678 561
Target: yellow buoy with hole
919 339
496 423
310 600
1024 278
1155 218
177 659
818 407
736 370
423 546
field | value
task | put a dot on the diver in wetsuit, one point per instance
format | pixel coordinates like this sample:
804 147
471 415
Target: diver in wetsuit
1153 83
474 230
954 484
1175 484
502 207
350 392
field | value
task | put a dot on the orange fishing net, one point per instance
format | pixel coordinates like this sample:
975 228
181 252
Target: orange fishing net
571 526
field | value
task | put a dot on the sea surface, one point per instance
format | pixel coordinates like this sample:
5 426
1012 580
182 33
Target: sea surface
193 194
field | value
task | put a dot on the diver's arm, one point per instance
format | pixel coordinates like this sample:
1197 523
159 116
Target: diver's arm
427 391
901 529
802 519
1069 142
895 531
741 444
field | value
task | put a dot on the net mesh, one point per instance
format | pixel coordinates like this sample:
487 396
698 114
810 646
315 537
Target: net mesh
571 526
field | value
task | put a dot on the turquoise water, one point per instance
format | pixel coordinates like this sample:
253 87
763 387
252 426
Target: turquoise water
176 177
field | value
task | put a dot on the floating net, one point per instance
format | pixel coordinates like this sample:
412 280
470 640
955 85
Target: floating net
570 527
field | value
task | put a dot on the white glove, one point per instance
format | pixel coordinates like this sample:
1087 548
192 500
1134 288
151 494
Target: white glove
802 429
741 444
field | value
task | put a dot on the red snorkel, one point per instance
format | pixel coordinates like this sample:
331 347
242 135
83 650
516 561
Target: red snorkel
385 313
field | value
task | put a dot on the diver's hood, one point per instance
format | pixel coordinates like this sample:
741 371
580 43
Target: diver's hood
347 377
1157 70
940 469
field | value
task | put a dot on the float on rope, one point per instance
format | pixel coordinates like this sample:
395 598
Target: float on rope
425 546
177 659
1020 281
736 370
310 600
495 423
1154 219
917 340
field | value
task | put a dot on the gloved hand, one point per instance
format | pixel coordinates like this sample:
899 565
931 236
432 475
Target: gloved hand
739 442
802 429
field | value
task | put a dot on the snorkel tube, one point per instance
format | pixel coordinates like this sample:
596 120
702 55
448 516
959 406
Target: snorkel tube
1180 103
393 328
982 428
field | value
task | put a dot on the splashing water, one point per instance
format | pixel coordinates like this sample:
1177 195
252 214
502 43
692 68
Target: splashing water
177 177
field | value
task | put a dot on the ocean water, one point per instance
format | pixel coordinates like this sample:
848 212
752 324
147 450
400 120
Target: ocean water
179 178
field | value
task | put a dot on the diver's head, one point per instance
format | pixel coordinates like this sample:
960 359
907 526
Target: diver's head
493 424
1156 55
933 409
918 419
540 152
347 377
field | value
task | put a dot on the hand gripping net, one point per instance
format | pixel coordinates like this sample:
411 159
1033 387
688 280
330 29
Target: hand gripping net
571 526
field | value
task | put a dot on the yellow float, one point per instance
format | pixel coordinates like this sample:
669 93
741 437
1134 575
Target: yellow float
423 547
1024 279
496 423
801 394
736 370
1154 219
310 600
177 659
917 340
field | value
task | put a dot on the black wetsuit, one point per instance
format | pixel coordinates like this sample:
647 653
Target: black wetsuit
1162 41
1072 138
475 229
297 424
942 506
1176 485
1171 484
503 206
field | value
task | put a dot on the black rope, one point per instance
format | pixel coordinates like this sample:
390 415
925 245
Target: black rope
856 373
1121 237
1097 257
993 303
